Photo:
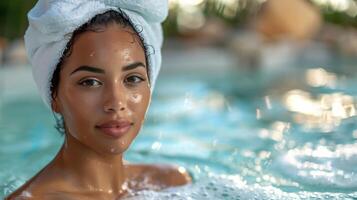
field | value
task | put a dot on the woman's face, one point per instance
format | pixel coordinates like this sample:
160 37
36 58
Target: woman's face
104 91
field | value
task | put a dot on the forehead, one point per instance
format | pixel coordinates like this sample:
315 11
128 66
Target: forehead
111 44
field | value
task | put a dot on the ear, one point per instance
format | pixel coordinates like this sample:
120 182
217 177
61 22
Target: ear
55 105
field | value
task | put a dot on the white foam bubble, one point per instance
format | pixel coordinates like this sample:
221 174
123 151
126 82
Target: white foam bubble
322 166
231 188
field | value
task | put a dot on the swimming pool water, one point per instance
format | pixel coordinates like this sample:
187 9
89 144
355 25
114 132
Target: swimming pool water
290 134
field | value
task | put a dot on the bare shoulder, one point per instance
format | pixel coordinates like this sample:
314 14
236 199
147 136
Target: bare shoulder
38 187
170 174
164 175
44 191
27 191
21 193
32 190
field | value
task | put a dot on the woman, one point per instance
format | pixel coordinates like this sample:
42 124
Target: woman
100 86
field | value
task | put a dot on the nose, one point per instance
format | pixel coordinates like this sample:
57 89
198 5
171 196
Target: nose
115 100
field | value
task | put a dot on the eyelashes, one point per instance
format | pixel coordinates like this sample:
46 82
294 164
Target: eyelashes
130 80
90 82
134 79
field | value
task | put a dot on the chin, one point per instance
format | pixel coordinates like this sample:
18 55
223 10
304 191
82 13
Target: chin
117 148
114 151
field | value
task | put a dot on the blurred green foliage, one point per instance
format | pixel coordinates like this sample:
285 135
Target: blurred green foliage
248 9
339 18
214 9
13 22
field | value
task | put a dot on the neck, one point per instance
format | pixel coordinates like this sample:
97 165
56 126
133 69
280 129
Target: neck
90 170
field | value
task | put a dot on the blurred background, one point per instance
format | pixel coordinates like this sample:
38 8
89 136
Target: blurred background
240 27
265 89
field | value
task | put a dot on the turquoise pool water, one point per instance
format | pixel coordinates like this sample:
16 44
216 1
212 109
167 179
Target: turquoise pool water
286 134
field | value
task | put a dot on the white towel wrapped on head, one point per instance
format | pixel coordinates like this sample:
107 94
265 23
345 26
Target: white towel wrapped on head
52 23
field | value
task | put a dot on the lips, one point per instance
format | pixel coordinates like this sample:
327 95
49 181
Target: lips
115 129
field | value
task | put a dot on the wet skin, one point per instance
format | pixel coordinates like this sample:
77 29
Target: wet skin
104 78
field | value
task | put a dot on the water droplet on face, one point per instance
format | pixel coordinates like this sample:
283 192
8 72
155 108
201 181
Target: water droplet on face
26 194
136 98
126 54
130 113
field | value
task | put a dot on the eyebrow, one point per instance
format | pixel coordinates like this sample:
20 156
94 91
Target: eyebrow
89 68
133 66
101 71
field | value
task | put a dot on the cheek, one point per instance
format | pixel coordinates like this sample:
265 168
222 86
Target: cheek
77 106
139 101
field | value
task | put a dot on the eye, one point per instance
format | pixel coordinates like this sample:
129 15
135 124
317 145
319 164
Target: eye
90 83
134 79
